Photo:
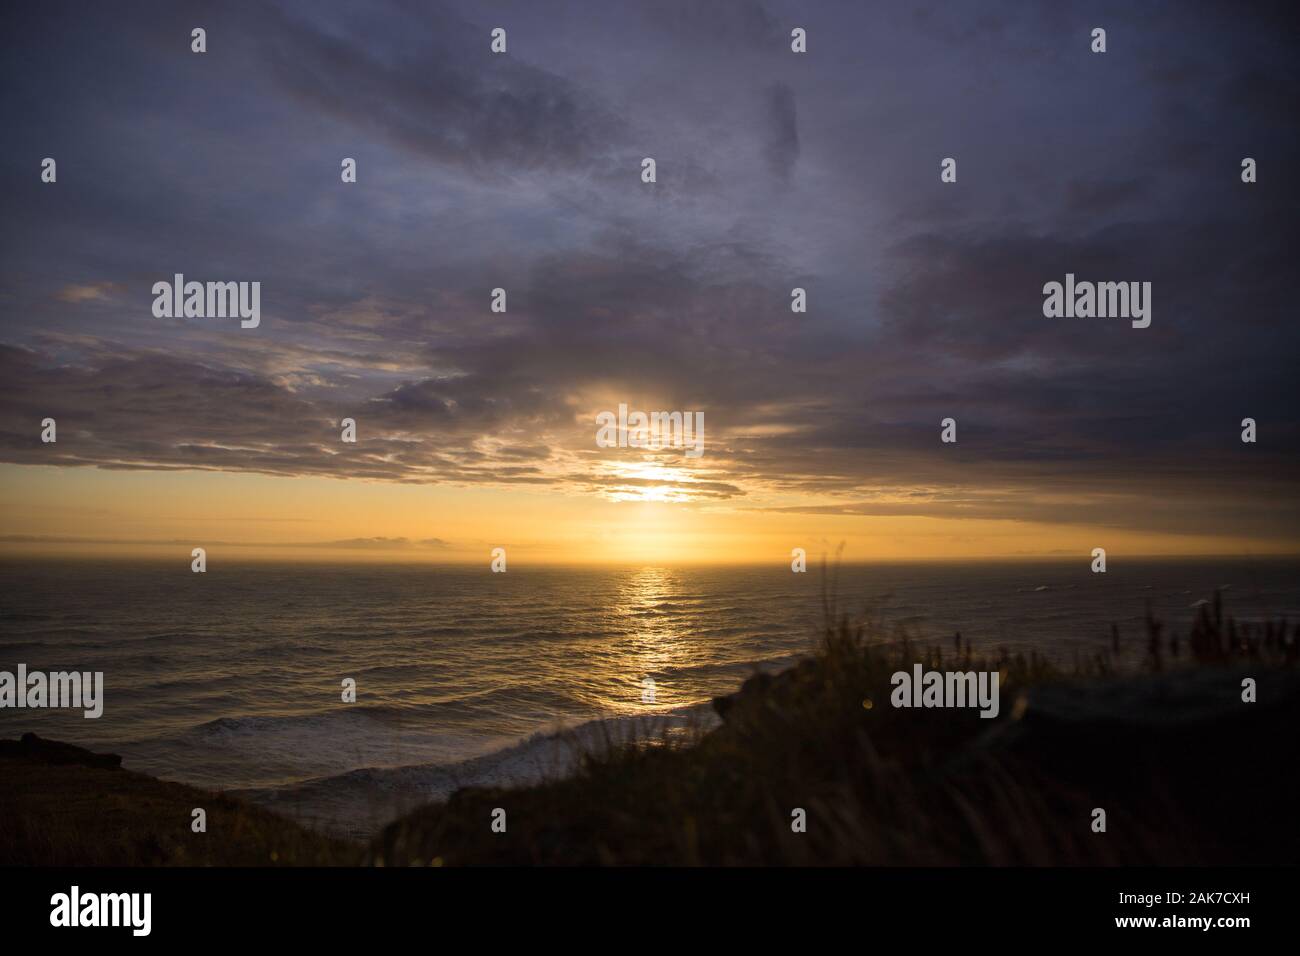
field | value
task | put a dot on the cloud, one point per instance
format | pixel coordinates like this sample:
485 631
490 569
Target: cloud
445 96
348 544
782 144
89 292
381 543
777 170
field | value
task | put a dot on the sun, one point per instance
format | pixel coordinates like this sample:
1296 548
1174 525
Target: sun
649 480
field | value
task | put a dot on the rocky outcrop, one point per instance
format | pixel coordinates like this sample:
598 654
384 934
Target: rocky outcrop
53 752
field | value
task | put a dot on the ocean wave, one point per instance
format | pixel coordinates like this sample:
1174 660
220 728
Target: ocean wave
259 724
357 802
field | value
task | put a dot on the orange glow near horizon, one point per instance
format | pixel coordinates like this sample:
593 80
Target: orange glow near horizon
101 513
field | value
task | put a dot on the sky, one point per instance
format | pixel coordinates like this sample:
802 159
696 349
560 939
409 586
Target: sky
774 170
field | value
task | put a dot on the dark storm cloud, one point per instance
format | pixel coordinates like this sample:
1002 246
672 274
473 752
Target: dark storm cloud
776 170
782 147
439 91
722 24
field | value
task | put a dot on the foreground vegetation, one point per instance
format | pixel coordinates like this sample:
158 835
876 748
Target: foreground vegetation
1185 770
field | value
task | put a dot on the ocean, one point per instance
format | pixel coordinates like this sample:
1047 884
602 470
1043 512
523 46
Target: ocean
232 679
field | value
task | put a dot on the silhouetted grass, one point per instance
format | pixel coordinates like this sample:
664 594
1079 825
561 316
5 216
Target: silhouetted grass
881 785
